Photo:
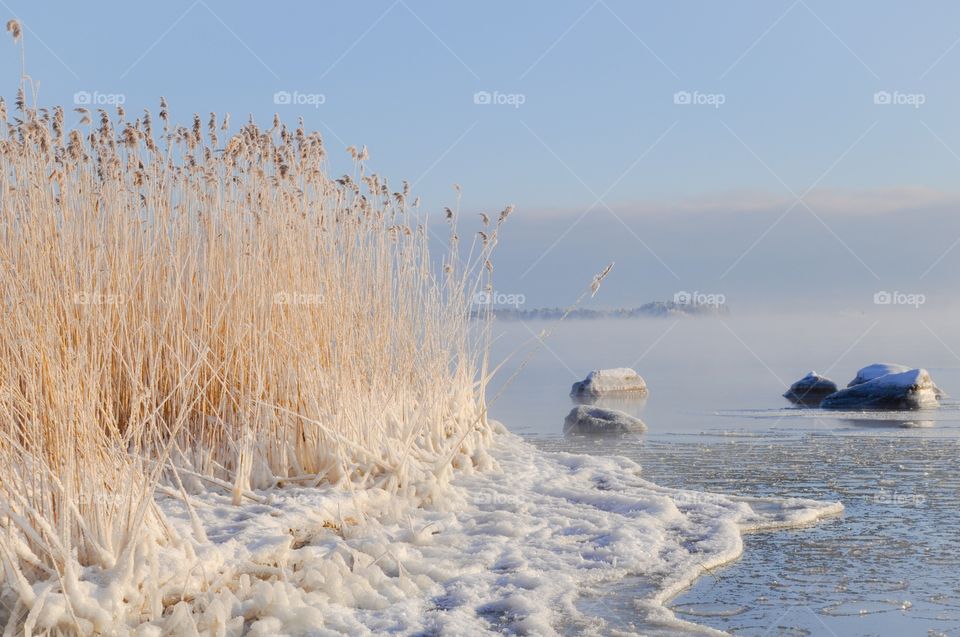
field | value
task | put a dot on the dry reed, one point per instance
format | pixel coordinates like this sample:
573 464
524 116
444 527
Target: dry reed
191 315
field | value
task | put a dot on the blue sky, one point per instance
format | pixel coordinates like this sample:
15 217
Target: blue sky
589 126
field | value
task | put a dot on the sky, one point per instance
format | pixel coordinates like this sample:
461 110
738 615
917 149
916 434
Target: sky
772 151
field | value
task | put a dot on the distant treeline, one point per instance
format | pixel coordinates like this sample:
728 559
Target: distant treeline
654 309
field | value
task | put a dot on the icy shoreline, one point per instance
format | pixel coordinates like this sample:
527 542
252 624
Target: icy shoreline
510 548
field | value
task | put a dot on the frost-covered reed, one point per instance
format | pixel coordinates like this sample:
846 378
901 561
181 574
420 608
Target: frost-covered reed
186 309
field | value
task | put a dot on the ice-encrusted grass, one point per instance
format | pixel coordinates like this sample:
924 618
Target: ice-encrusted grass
193 311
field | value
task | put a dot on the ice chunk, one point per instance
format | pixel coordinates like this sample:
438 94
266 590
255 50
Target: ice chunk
810 389
604 381
597 420
912 389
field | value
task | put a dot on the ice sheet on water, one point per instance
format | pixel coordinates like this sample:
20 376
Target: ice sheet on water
893 546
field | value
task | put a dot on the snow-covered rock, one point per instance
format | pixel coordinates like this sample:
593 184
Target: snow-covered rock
876 370
810 389
607 381
597 420
911 389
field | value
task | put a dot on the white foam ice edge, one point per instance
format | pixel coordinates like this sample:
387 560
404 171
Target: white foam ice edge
506 549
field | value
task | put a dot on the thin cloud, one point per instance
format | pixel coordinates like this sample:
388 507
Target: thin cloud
825 201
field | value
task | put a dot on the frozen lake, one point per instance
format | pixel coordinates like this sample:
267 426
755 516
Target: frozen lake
716 422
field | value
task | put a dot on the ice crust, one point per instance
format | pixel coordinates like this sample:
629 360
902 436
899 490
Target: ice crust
504 549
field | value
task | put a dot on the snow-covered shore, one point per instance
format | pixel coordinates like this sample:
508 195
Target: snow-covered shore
509 547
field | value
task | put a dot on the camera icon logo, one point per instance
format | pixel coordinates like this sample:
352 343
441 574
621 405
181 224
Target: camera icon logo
282 97
882 97
682 97
682 298
882 298
482 97
482 298
82 97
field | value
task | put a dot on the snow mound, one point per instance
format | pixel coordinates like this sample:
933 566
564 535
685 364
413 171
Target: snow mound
598 420
876 370
605 381
911 389
503 550
810 389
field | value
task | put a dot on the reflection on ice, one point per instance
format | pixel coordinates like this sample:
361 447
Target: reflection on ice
624 402
889 422
586 420
840 421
